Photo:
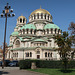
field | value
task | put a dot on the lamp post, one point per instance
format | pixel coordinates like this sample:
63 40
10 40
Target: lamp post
5 14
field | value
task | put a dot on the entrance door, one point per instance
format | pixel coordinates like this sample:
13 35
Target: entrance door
38 56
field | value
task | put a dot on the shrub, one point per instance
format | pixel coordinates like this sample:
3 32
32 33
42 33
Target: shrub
26 64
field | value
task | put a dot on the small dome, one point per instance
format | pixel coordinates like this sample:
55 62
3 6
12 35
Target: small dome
49 26
28 26
40 11
14 33
21 17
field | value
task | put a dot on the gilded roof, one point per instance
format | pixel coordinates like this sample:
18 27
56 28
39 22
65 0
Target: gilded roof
40 11
21 17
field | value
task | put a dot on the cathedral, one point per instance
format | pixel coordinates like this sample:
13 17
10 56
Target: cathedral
34 40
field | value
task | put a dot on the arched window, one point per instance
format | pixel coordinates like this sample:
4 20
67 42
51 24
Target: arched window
20 20
40 44
13 54
41 15
48 17
31 31
47 31
51 31
55 31
30 54
51 54
34 16
48 54
27 54
27 31
58 31
17 44
23 20
34 31
38 52
45 16
37 15
17 55
45 54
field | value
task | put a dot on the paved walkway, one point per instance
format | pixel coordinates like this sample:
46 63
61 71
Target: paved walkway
16 71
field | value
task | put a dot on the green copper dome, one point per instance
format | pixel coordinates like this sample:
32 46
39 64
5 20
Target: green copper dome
14 33
28 26
49 26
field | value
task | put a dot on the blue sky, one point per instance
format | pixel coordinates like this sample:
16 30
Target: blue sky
63 12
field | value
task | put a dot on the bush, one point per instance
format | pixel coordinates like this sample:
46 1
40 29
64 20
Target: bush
26 64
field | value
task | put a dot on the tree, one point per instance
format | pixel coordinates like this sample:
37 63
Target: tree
72 29
64 44
72 37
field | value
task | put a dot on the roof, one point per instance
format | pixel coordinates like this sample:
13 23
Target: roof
39 40
31 48
40 11
28 26
15 33
21 17
49 26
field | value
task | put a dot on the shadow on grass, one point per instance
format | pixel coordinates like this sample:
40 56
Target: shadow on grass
67 71
1 73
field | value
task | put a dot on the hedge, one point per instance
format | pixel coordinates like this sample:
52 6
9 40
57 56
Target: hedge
26 64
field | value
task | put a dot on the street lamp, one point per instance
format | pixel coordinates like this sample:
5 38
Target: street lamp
5 14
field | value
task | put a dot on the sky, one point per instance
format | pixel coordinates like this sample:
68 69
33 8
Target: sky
62 11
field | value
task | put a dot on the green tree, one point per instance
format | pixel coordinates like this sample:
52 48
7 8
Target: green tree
72 32
64 44
72 37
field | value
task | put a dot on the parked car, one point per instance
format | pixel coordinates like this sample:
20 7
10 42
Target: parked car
0 63
13 63
6 62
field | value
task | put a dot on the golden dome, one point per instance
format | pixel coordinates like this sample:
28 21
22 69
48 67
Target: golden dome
40 11
21 17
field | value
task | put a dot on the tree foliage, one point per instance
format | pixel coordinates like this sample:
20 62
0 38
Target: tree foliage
72 37
72 32
64 44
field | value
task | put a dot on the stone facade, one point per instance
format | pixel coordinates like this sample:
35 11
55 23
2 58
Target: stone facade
34 40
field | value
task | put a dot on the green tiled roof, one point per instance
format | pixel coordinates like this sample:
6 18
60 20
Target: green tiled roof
29 26
14 33
49 26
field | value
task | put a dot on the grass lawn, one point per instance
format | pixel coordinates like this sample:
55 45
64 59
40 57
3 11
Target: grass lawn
54 71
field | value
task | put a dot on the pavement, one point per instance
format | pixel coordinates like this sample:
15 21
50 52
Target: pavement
17 71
